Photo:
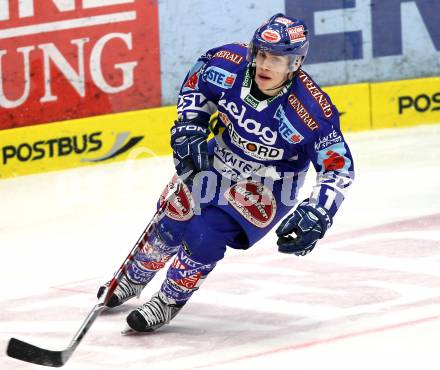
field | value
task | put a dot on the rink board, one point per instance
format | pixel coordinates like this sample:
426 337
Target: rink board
405 103
351 103
145 133
82 142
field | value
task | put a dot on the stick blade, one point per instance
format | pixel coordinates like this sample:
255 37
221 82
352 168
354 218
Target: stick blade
27 352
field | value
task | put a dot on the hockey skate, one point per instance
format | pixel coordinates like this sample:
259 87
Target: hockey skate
157 312
123 292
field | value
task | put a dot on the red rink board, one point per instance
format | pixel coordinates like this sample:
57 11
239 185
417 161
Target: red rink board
114 42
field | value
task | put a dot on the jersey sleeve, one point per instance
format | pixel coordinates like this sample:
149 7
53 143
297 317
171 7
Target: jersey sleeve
334 166
196 98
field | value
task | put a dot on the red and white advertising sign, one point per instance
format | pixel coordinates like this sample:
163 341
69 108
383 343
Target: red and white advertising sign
65 59
296 34
271 36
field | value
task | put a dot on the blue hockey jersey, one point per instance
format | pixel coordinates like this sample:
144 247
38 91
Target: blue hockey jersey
276 138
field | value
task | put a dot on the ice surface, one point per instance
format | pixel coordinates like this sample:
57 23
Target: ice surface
368 297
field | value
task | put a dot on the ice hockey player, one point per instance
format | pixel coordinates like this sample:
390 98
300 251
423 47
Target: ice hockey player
273 121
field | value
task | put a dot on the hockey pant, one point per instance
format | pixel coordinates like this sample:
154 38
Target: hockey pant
199 243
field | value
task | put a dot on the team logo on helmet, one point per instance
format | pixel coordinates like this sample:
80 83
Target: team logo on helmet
296 34
271 36
283 20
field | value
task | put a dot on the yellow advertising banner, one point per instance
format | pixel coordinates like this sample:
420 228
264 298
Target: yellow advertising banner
405 103
146 133
353 103
82 142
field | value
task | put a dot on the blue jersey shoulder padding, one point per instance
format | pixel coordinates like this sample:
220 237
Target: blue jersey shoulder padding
213 72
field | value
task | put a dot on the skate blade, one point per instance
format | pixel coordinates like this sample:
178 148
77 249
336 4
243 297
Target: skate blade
128 331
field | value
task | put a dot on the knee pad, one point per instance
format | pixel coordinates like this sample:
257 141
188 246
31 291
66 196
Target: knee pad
208 234
202 243
171 231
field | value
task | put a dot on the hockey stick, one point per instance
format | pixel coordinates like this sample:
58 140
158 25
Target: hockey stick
27 352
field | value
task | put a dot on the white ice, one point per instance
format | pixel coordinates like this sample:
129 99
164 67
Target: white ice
367 297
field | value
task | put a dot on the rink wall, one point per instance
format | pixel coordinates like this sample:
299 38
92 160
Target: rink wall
145 133
405 103
86 141
68 59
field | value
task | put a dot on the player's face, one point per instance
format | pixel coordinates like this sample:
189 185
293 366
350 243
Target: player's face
271 71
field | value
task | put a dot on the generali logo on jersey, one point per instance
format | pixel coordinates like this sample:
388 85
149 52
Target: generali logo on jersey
64 59
316 93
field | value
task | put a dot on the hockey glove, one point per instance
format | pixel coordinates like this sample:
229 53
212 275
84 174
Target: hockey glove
309 223
190 147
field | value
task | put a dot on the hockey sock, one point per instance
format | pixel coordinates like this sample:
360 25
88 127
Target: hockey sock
184 277
150 259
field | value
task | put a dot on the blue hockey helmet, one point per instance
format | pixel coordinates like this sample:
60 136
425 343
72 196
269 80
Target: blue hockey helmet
281 35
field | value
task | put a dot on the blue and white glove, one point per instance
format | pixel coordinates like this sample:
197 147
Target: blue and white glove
309 223
190 147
